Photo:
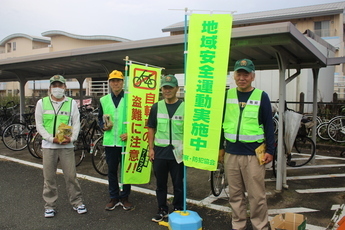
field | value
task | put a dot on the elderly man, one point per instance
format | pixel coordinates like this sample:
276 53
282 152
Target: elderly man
247 124
51 112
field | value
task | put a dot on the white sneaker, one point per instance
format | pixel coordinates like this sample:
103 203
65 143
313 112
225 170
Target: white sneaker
80 209
49 213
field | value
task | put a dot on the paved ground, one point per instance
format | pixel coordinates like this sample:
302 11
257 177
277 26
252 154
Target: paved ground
21 204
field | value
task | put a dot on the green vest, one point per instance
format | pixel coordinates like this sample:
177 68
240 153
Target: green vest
243 125
111 137
51 118
163 132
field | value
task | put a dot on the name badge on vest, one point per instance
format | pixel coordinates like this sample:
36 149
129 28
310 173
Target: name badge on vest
177 117
253 102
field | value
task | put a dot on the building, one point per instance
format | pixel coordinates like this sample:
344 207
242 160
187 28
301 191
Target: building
326 23
18 45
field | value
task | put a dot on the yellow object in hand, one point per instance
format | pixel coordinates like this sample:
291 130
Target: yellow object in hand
260 153
63 130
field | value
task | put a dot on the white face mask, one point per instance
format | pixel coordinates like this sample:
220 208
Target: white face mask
58 92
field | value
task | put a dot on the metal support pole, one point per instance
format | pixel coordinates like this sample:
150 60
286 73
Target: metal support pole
315 108
281 158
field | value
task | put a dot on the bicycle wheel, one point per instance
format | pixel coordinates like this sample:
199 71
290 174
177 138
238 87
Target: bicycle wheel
30 143
336 129
322 131
15 136
302 152
275 125
98 157
80 149
37 145
218 180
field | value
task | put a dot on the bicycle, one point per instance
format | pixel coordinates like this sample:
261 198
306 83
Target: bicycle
336 129
98 157
151 83
86 138
7 116
303 150
15 135
34 143
218 180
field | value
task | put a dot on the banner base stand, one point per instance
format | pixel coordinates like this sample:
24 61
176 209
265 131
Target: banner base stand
185 220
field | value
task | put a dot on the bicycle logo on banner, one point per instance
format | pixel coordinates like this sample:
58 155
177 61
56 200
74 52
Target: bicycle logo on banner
146 80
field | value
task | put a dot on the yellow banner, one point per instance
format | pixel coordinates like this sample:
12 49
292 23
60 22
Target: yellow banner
206 72
143 92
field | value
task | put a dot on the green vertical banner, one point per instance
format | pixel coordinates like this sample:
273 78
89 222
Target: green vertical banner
143 92
206 72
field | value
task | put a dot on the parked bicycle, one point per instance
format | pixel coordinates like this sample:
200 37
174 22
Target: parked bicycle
303 150
7 115
15 135
98 157
336 129
89 132
218 180
34 143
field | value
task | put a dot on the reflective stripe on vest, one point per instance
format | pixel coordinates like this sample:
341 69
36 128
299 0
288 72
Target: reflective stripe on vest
52 119
245 128
112 137
164 136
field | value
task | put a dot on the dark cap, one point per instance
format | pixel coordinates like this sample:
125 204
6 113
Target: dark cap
58 78
169 80
245 64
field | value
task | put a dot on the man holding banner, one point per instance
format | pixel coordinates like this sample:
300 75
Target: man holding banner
111 119
165 145
248 127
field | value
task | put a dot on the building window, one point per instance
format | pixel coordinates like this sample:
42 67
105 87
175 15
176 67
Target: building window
9 47
14 44
322 28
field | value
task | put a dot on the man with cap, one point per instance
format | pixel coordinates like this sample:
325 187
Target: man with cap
165 137
112 107
247 124
51 111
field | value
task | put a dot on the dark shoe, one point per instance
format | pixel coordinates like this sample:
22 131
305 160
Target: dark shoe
160 216
126 204
113 203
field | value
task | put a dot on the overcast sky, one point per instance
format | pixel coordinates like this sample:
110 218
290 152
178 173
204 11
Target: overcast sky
131 19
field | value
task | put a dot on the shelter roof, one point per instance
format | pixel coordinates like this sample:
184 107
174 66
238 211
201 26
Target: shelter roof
259 43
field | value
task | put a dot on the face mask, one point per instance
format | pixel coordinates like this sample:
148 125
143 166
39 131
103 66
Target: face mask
58 92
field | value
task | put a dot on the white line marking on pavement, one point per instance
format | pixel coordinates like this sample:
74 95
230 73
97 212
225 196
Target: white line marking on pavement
207 202
294 210
309 177
320 190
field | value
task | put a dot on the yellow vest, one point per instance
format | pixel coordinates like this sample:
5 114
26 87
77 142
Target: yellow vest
243 125
111 137
162 136
51 118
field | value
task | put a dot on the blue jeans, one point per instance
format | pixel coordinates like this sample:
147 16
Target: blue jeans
113 157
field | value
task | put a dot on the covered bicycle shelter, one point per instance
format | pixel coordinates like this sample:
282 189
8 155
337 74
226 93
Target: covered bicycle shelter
271 46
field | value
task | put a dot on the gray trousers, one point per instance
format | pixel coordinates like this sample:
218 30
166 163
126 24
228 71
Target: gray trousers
65 156
245 174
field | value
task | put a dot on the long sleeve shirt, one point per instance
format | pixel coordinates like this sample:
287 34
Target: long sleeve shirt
48 138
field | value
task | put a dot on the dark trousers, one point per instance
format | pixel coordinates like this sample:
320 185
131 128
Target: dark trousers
113 157
161 169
